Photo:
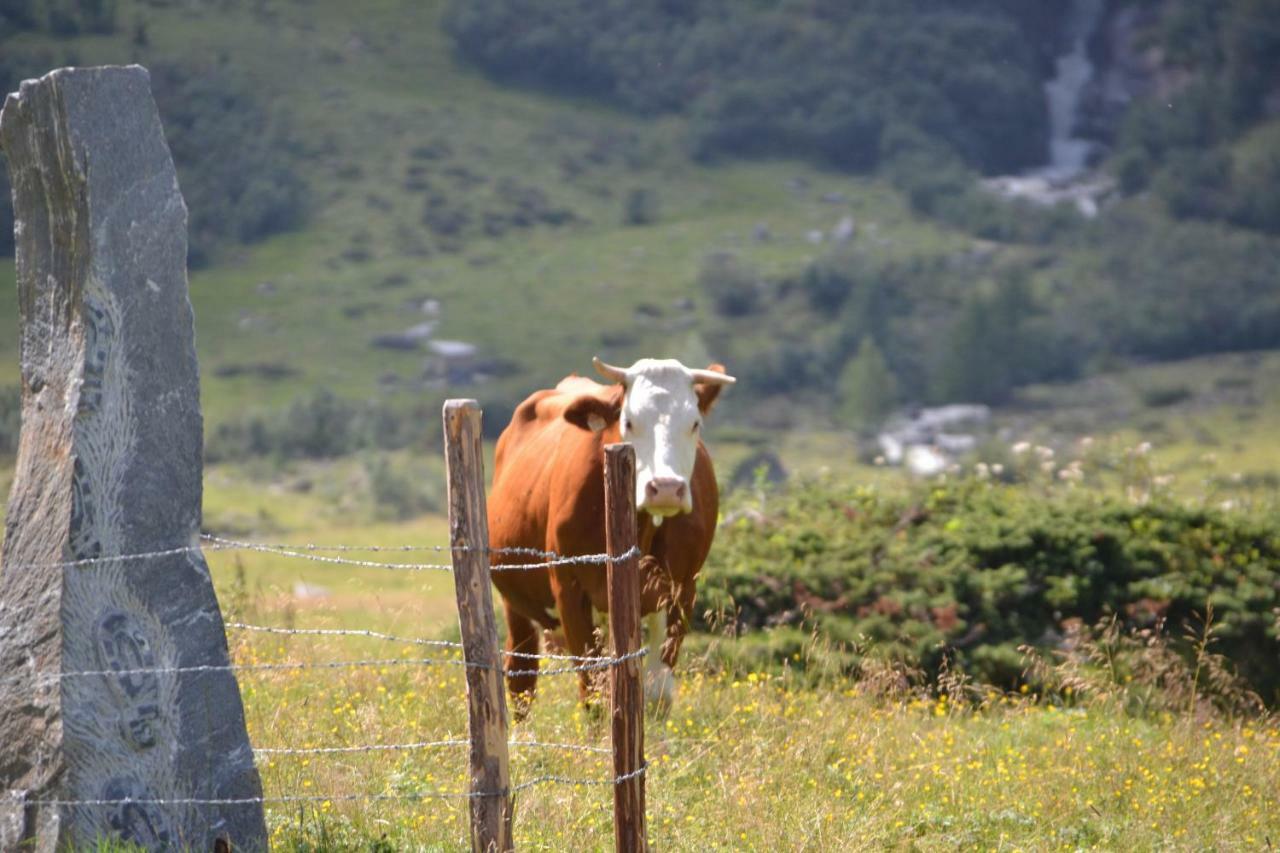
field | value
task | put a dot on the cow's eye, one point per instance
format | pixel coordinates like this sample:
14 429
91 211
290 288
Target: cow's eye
697 425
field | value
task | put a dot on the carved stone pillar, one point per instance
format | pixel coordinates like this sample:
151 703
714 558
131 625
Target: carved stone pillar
109 463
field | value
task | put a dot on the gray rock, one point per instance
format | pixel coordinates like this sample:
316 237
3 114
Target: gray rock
844 230
453 349
110 464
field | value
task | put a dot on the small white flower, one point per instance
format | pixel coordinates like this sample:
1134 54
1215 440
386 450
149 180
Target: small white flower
1143 449
1045 453
1021 447
997 469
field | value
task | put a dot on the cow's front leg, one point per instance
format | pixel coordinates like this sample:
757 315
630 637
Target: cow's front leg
575 618
659 681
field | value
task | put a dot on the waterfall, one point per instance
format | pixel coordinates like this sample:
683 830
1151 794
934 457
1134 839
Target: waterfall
1068 155
1065 177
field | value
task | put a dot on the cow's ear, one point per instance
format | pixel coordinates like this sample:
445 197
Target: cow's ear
709 392
591 413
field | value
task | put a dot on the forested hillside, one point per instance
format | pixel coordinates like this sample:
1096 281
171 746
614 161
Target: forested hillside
793 186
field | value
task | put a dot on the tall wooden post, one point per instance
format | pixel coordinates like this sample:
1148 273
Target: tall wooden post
625 689
486 702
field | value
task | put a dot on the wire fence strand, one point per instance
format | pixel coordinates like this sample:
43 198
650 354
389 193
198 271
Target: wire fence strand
393 638
546 559
599 663
408 796
424 745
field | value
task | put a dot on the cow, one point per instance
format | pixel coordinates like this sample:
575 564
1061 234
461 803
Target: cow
548 494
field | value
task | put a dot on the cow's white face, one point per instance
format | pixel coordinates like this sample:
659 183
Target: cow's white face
661 416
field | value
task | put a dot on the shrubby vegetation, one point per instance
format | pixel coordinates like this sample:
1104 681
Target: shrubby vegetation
236 158
402 489
320 425
58 17
1200 147
841 83
977 324
968 572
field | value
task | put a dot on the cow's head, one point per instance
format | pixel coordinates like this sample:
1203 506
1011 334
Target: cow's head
660 412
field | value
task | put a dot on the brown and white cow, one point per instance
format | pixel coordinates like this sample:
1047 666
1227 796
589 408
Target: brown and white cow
548 494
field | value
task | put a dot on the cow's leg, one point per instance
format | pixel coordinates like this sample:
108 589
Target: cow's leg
522 637
659 681
579 634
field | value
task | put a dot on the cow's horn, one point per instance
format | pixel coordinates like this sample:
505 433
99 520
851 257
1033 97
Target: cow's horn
711 377
608 371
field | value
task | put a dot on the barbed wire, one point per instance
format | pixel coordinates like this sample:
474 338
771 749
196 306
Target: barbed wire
439 549
300 554
333 798
378 635
217 543
599 663
119 558
408 747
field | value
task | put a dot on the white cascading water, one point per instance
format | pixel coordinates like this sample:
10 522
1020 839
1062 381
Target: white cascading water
1064 178
1069 155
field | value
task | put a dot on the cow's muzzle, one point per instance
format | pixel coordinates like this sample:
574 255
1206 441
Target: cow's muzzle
666 496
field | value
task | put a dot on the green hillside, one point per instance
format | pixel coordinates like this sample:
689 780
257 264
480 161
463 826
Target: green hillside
406 191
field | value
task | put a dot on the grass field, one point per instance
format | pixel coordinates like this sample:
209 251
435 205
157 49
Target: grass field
749 762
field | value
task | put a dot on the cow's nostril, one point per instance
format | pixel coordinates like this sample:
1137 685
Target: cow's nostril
651 489
680 491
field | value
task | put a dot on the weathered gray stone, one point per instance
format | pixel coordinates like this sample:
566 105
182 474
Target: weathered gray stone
109 464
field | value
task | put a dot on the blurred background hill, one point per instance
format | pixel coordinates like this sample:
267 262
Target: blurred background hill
861 208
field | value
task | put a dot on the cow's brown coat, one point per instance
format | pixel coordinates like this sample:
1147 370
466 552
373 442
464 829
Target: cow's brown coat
548 493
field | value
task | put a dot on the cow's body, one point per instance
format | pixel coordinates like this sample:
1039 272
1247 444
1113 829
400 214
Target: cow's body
548 494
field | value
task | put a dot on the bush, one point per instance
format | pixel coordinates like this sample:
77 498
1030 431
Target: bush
1165 395
403 490
236 157
320 425
973 571
868 389
732 286
999 341
640 207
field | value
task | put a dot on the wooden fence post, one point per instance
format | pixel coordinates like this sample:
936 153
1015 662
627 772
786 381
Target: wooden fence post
486 702
625 689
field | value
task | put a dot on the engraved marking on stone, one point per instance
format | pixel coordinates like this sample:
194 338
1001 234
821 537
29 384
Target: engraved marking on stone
100 332
84 542
123 648
138 822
